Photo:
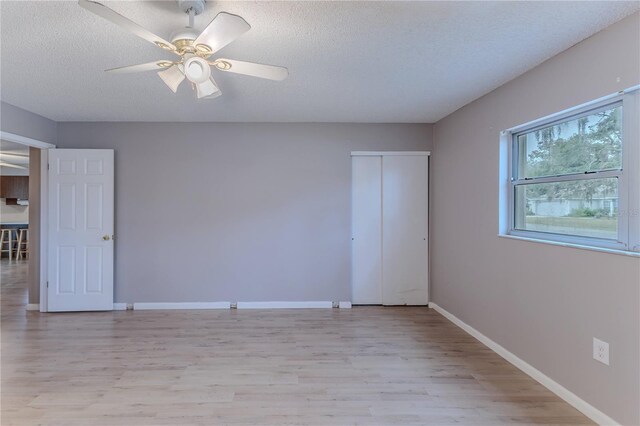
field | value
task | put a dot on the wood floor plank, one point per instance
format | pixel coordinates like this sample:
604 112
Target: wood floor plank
365 366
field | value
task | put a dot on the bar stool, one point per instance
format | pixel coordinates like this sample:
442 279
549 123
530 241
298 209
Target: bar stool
6 238
23 243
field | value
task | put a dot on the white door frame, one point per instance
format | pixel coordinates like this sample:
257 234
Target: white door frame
23 140
44 200
44 230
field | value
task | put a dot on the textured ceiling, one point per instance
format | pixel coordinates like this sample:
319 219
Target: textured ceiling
348 61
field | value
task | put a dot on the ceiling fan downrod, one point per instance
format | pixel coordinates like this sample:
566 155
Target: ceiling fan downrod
191 7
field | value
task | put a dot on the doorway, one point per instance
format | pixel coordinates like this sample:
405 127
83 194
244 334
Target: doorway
21 168
14 221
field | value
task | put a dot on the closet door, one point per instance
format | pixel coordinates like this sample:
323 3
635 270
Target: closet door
366 226
404 230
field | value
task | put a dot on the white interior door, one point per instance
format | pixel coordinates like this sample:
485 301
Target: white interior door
81 212
404 230
366 225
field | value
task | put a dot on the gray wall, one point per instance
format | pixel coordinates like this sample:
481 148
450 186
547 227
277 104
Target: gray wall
541 302
24 123
251 212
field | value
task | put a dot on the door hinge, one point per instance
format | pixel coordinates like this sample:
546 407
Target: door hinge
47 284
48 166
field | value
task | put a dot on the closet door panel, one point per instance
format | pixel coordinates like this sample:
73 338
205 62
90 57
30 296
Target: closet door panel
366 225
404 230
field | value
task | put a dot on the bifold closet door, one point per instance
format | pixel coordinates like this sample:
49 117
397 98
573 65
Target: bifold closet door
404 230
366 225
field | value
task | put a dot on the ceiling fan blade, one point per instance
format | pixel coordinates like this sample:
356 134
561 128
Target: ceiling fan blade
110 15
149 66
222 30
209 89
172 77
270 72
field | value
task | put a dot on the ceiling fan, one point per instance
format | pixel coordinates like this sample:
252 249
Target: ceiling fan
195 50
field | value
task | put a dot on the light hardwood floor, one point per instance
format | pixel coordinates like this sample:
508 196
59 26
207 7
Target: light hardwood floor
368 365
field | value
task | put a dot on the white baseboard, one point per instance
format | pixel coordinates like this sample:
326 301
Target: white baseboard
185 305
578 403
119 306
33 307
284 305
227 305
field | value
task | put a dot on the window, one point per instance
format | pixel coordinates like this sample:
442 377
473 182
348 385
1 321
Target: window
575 176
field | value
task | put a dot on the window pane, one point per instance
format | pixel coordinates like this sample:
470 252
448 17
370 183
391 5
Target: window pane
585 144
587 207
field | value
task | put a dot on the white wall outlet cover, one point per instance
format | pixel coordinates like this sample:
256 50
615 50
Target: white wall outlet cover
601 351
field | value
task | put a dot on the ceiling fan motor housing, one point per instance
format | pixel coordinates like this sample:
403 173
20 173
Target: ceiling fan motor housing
196 5
185 33
183 38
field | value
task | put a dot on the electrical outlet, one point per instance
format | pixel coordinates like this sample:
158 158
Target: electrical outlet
601 351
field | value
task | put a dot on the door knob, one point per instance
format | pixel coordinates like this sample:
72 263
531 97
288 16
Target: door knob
106 237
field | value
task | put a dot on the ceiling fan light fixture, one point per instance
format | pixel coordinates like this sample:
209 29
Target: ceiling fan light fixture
197 70
213 96
172 77
207 89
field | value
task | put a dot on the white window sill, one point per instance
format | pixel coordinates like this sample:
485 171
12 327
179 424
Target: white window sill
577 246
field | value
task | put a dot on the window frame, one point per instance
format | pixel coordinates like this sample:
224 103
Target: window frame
628 238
